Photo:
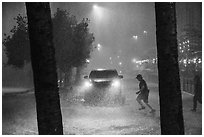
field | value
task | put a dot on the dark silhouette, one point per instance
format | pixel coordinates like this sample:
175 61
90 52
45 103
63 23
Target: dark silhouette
197 92
72 40
16 43
49 116
171 113
143 93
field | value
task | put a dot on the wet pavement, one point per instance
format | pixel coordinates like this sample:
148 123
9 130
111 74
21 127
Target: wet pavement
19 115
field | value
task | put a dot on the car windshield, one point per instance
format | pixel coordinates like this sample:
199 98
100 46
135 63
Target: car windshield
103 74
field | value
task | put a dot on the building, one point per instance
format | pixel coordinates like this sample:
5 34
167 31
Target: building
189 32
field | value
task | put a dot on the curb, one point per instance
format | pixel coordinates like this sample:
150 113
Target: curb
18 93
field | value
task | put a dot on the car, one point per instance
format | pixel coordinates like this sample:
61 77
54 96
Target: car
103 86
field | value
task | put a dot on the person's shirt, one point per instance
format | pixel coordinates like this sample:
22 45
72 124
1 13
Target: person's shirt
143 86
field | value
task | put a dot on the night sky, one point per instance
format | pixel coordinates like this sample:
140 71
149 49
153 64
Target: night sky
113 23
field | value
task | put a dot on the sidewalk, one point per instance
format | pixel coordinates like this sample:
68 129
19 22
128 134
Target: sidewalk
15 90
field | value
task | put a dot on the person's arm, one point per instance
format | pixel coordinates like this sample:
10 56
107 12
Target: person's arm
142 88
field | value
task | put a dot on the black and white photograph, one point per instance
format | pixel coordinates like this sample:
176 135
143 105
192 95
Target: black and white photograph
101 68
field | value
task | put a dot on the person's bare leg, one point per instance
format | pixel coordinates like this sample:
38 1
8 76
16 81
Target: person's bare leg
152 110
140 102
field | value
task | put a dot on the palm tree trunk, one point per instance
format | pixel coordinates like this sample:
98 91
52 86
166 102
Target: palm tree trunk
171 112
78 74
49 116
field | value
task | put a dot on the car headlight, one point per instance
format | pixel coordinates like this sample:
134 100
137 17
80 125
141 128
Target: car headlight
87 84
116 83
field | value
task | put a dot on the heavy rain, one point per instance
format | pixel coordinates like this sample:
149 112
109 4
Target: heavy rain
106 55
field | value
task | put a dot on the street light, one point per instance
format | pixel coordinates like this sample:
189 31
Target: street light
99 47
95 6
87 60
135 37
145 32
98 11
134 60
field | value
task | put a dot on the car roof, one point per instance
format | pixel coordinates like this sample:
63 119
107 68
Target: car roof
104 70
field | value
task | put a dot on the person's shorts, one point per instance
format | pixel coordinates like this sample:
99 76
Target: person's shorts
143 97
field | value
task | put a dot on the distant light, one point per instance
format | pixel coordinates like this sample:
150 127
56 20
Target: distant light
100 69
118 56
134 60
188 41
135 37
87 60
145 32
120 72
98 12
110 58
120 63
95 6
199 60
98 46
194 60
185 61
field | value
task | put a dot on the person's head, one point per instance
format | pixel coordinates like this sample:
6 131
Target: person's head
139 77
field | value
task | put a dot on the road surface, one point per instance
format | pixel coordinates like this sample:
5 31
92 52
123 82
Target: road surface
19 115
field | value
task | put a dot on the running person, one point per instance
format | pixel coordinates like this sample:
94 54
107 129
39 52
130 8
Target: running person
143 93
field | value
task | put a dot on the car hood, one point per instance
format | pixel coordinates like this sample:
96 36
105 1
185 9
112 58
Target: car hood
102 79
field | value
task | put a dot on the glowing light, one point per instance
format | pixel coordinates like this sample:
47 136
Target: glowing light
87 60
145 32
99 47
98 11
185 61
95 6
120 63
134 60
100 69
116 83
194 60
87 84
135 37
199 61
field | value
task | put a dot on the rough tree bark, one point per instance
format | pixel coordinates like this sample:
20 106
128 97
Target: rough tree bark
171 113
49 116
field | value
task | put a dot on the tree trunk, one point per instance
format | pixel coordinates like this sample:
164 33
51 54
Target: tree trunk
169 82
67 77
49 116
78 74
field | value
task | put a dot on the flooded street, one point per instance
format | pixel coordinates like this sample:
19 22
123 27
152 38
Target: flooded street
83 119
19 115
